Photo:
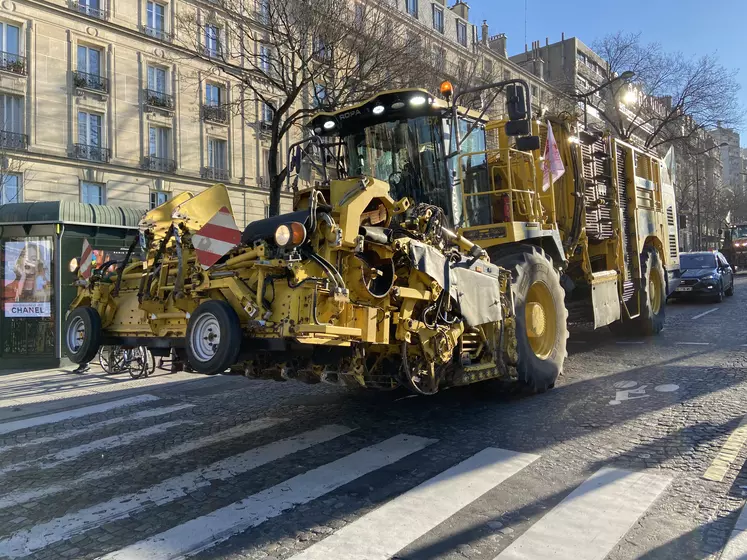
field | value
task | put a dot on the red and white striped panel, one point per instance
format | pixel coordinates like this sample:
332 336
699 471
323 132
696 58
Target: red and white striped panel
216 238
86 260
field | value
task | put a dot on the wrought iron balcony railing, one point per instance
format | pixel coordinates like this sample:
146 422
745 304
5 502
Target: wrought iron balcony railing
159 164
11 62
214 173
215 113
160 34
89 9
91 152
159 99
90 81
13 141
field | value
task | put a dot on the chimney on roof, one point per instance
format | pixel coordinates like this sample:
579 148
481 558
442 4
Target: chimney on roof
547 41
461 9
562 36
485 32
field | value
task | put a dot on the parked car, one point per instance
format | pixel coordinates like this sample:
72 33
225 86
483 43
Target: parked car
705 274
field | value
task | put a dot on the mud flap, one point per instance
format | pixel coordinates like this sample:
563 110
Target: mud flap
605 298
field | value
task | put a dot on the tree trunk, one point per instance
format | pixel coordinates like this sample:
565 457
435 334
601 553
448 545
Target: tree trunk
276 181
275 185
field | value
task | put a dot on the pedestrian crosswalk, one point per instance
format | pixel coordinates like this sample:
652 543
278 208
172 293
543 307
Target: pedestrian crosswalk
586 525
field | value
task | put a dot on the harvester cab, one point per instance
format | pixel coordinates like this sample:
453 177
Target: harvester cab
735 245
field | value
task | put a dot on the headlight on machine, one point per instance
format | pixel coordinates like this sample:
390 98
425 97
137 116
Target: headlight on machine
290 235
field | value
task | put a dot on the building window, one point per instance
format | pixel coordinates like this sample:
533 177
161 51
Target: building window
92 193
11 123
213 95
157 198
10 49
322 51
11 188
214 108
438 19
461 28
217 160
157 92
264 179
265 59
91 8
263 11
213 46
155 22
411 6
506 74
488 67
159 150
89 72
439 56
360 13
267 114
581 57
535 91
89 144
320 95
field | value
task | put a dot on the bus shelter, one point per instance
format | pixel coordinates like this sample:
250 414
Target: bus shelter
40 247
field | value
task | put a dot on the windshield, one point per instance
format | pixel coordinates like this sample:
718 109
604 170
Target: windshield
739 231
697 261
408 154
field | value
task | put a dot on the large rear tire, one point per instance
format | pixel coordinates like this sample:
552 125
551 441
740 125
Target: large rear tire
653 294
82 334
213 337
541 318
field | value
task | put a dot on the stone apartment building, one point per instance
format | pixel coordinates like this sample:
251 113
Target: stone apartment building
99 103
731 158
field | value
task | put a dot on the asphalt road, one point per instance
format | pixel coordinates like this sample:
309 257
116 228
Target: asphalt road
637 453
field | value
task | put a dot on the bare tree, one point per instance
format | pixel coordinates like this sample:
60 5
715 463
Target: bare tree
674 97
298 57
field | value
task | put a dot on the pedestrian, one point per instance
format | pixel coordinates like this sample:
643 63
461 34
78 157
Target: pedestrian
82 368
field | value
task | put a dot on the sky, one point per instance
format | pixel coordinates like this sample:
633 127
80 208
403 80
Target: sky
693 27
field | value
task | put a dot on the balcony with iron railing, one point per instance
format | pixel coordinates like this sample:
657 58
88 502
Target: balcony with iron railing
84 80
159 99
214 173
215 113
11 62
160 34
99 12
91 152
13 141
159 164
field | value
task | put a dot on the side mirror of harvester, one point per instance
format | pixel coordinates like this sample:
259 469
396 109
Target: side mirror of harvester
516 104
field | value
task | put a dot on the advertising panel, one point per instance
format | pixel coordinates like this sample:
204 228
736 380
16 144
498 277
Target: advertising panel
28 278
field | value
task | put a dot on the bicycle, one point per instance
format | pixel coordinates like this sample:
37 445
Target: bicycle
137 361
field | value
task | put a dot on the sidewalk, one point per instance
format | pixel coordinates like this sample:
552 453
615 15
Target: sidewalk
33 392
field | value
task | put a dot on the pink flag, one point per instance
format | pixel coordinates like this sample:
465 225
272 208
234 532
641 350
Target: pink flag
552 165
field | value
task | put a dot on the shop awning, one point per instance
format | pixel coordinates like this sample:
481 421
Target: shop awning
66 212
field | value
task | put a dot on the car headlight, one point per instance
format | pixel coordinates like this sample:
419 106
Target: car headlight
290 235
710 277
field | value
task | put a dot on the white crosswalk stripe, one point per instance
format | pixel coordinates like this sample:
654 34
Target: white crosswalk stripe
206 531
55 459
16 425
24 542
592 519
21 497
390 528
141 415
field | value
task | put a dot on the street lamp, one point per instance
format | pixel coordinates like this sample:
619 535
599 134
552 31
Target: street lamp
626 76
697 184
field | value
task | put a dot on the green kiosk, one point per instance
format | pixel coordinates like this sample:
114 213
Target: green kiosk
41 245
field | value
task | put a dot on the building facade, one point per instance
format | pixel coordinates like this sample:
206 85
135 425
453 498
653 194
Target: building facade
731 158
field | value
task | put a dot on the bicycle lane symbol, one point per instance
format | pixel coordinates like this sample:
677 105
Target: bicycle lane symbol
630 390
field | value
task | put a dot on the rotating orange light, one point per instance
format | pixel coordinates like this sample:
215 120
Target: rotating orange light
447 90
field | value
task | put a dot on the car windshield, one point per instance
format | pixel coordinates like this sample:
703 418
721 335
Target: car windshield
697 261
408 154
739 231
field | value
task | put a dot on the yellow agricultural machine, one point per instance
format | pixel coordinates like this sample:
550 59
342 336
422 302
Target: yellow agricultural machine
436 256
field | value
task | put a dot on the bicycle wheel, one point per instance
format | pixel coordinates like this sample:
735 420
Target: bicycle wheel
150 360
137 363
111 359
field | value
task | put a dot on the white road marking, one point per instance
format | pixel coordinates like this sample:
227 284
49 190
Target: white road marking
149 413
24 542
692 343
390 528
736 546
54 459
699 315
591 520
22 497
208 530
16 425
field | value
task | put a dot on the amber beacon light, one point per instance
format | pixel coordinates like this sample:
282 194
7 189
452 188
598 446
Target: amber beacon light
447 90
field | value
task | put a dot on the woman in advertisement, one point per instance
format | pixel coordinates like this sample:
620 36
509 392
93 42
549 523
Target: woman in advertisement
28 290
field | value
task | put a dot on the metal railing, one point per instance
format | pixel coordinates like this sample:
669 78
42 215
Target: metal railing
215 173
90 81
160 34
13 141
159 99
159 164
91 152
215 113
11 62
99 12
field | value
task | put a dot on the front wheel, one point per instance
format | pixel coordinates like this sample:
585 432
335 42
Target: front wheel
213 337
730 291
719 297
83 334
541 318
